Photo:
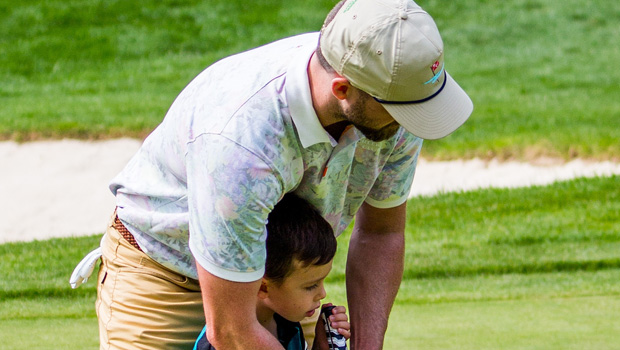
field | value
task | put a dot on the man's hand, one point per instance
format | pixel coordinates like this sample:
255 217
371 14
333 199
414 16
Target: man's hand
374 272
230 311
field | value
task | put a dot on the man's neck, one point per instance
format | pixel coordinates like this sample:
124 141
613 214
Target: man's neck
337 129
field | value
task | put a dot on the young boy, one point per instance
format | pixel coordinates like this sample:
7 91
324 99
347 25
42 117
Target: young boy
300 250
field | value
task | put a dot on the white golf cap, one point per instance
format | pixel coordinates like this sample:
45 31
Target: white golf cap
392 50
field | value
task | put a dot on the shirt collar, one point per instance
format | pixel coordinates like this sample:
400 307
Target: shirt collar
299 98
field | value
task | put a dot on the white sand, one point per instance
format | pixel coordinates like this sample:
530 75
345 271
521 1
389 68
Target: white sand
60 188
459 175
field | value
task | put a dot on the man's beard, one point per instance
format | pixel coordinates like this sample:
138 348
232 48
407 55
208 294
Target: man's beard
382 134
356 116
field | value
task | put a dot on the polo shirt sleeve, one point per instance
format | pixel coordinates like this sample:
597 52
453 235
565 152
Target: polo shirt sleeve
393 184
230 194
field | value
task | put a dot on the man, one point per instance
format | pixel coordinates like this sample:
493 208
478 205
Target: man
340 125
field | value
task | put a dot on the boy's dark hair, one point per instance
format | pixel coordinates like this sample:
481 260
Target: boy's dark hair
296 230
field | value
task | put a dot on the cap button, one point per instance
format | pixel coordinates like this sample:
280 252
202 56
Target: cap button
403 15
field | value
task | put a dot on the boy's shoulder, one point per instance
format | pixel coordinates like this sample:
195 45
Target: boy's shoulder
290 334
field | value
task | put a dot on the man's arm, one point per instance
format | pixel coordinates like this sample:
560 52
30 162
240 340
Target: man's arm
374 272
230 311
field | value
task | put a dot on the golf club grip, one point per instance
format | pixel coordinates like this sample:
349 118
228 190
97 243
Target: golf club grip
335 340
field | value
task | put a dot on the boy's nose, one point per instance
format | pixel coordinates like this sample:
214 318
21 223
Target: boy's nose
322 293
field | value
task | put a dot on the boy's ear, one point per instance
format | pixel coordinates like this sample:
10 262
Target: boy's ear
263 291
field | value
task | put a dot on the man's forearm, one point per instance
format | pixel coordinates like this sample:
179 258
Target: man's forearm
374 272
230 314
253 338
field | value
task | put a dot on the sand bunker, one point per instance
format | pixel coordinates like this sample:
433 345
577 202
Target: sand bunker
60 188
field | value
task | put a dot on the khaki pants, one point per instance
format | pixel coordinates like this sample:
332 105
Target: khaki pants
144 306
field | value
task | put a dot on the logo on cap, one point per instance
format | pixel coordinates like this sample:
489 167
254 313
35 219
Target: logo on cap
437 75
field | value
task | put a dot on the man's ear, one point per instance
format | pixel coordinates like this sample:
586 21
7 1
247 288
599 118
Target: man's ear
341 87
263 291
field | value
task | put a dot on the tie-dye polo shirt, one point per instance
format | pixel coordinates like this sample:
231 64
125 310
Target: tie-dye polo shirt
236 139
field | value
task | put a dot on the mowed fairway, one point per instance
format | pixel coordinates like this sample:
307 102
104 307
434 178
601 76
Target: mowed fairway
556 323
530 268
557 288
540 73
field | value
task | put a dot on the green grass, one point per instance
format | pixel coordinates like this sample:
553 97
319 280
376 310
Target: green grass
540 72
94 69
531 268
570 226
528 268
558 323
41 269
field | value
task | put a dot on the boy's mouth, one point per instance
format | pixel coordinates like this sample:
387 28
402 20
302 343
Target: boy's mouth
311 312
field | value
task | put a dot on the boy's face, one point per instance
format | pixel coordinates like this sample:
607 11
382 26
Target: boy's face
300 294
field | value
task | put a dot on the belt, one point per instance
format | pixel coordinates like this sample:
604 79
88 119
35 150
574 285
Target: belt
118 225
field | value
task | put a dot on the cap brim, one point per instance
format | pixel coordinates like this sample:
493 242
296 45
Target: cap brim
437 117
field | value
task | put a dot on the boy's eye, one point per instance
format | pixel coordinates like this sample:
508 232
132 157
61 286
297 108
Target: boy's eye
312 287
